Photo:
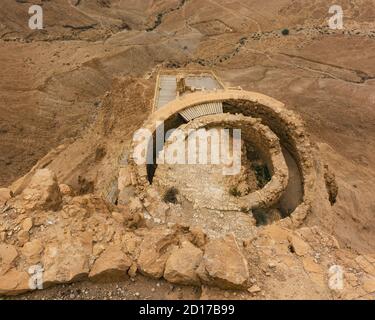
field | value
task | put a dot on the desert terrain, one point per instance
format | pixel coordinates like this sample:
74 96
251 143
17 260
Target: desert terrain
73 94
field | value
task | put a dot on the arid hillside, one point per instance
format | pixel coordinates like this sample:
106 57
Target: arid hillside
85 83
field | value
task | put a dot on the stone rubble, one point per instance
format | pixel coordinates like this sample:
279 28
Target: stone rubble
74 238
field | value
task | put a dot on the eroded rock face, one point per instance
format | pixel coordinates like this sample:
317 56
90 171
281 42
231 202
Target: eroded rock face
43 192
182 264
155 250
113 263
223 264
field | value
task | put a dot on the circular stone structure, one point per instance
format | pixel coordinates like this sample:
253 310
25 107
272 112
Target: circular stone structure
252 131
284 124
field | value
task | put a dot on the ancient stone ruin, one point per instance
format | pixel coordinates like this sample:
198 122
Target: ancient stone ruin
186 224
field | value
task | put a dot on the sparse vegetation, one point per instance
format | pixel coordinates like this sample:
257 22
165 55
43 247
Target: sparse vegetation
170 196
235 192
263 175
261 217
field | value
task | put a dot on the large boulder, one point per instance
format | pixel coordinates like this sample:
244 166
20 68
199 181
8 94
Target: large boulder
43 192
113 263
8 255
66 261
182 264
14 282
155 250
224 265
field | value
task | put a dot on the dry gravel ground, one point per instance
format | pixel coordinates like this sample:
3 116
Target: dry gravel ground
140 288
136 289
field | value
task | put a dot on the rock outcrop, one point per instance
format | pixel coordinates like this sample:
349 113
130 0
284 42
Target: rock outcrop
88 238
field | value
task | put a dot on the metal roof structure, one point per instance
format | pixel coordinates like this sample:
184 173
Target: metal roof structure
167 85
